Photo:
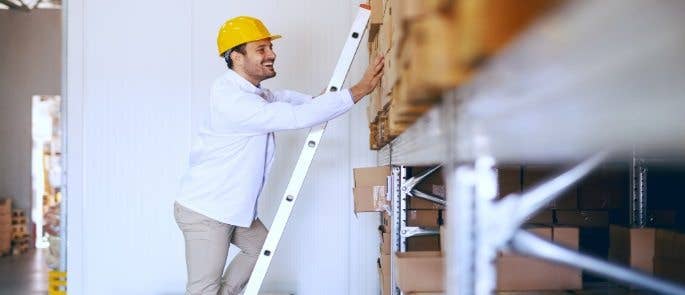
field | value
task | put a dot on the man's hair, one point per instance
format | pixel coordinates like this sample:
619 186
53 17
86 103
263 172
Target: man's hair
227 55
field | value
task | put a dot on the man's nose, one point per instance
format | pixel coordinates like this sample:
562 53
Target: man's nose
270 54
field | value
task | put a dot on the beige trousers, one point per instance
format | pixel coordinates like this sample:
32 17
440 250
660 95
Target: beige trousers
207 242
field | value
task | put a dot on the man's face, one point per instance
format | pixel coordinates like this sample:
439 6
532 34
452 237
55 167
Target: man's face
258 62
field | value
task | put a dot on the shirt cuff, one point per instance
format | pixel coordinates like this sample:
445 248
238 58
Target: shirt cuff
348 99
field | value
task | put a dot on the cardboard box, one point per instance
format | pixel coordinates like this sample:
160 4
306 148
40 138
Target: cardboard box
424 271
544 217
669 245
390 72
386 30
657 251
633 246
670 269
419 271
5 219
538 274
582 218
384 270
5 246
424 243
428 184
486 26
423 218
376 12
419 203
374 105
386 220
508 179
386 242
371 176
409 10
430 52
370 199
605 188
518 273
661 218
6 206
370 188
534 175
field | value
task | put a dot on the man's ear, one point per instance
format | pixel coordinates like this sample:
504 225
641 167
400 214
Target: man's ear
237 58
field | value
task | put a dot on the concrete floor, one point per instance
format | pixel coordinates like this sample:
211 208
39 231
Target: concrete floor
25 274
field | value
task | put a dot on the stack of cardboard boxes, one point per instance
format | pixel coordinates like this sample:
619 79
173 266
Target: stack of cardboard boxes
421 269
420 272
651 250
431 46
370 195
20 235
5 226
14 237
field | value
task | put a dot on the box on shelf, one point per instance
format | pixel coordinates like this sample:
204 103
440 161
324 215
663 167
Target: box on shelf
633 247
605 188
419 271
538 274
669 269
424 218
486 26
384 273
424 271
582 218
424 243
432 65
6 206
544 217
386 242
508 179
419 203
534 175
370 188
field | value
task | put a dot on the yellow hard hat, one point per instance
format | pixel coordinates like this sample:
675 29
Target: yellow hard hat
239 30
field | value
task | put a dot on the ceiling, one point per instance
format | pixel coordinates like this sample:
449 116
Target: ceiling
27 5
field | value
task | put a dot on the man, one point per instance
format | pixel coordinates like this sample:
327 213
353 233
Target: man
232 153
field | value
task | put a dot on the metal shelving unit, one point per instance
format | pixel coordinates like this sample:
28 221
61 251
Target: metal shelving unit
402 187
596 80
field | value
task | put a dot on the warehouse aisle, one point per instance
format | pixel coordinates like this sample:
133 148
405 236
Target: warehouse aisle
25 274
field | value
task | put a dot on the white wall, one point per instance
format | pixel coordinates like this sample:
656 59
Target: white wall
137 77
30 63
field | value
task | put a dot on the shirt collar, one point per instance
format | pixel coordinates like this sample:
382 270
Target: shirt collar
242 82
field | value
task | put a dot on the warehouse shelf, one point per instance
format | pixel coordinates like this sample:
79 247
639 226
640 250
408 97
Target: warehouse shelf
594 81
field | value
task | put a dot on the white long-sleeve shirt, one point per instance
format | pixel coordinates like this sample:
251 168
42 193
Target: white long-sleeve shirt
232 152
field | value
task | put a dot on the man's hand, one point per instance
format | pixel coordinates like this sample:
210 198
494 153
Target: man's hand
370 81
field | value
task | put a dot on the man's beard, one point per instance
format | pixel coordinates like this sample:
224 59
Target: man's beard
261 71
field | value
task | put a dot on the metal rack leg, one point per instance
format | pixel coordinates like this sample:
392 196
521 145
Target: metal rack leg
396 209
529 244
485 187
460 257
638 193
